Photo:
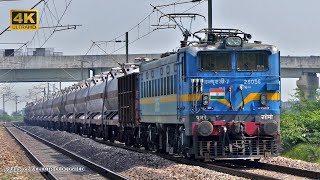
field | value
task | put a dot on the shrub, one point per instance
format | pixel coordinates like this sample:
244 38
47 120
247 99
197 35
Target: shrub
305 152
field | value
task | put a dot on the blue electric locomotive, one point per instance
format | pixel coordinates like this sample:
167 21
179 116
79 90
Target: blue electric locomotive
218 98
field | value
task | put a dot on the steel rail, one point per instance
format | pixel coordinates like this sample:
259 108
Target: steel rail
99 169
282 169
46 174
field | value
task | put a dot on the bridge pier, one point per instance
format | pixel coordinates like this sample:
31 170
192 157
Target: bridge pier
308 83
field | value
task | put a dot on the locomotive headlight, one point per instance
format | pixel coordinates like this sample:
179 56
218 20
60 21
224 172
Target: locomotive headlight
205 100
263 99
233 41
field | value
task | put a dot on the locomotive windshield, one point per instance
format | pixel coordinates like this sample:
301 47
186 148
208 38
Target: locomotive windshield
216 61
252 61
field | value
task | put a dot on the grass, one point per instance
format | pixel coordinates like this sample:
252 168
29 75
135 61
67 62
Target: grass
305 152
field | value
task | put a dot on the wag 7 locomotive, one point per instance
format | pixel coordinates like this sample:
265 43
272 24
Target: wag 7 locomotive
217 98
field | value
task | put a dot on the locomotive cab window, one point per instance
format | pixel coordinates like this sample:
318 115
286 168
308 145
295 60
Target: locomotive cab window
252 61
216 61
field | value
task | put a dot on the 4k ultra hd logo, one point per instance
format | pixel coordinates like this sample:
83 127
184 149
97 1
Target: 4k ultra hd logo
21 20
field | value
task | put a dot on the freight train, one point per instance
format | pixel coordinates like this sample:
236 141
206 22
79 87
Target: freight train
216 98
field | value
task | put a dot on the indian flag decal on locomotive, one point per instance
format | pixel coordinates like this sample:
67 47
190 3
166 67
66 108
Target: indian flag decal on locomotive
216 94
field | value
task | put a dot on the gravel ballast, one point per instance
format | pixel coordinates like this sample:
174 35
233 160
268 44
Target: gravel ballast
129 164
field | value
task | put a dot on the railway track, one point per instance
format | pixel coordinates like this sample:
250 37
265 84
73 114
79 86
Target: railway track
232 168
56 162
236 168
280 169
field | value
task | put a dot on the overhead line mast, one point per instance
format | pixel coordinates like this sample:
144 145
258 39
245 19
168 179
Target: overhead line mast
210 15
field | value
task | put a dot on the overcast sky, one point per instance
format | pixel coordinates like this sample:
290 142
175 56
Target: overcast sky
293 26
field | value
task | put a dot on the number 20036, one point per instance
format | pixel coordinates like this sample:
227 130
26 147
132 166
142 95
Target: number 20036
252 81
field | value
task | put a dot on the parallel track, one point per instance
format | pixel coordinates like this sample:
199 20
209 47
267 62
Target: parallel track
59 151
282 169
33 158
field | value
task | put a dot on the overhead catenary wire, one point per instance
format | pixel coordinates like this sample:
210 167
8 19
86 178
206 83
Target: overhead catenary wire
150 32
148 18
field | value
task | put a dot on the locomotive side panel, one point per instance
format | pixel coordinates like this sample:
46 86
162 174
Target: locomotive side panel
158 92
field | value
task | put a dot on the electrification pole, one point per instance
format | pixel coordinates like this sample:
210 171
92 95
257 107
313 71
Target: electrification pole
127 47
3 104
17 104
209 14
54 88
48 91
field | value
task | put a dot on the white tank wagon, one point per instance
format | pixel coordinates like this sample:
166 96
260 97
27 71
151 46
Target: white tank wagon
95 97
89 107
68 103
61 105
101 103
80 101
57 110
48 110
39 112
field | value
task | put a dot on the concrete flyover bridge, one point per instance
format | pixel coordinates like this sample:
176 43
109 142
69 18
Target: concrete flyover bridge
303 67
59 68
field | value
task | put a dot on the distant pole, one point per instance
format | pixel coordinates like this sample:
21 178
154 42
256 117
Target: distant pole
127 47
209 14
3 105
82 71
17 104
60 85
54 87
44 92
48 90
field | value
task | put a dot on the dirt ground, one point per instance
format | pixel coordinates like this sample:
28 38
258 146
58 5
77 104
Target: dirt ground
11 155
